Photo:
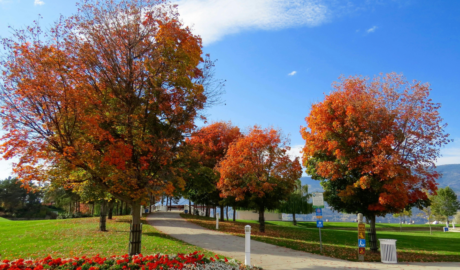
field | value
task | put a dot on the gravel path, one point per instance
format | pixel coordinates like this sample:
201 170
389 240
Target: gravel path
265 255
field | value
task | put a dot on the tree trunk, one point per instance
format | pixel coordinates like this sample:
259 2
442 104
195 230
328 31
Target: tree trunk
234 213
429 222
227 212
293 219
190 207
222 213
162 200
136 230
373 235
102 218
400 223
170 204
111 206
447 221
261 219
92 209
207 211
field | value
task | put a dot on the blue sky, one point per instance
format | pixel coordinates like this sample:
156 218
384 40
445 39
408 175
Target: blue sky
281 56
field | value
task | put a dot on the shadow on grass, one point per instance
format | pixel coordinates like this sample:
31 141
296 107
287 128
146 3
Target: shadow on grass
419 247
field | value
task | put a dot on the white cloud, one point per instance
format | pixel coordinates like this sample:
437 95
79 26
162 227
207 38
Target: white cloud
372 29
38 2
214 19
6 168
292 73
449 156
296 152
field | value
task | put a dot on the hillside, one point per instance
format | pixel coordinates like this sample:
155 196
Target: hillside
450 177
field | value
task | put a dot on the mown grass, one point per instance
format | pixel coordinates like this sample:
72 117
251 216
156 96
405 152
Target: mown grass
412 246
77 237
353 225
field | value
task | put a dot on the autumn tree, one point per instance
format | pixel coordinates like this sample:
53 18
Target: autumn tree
373 143
209 145
258 170
112 90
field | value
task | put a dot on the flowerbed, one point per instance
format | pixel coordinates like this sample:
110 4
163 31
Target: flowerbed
193 261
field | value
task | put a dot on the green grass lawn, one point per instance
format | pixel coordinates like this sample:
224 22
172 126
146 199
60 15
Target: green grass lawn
4 220
77 237
354 225
411 245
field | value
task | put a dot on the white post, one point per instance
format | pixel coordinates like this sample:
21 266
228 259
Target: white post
217 221
247 246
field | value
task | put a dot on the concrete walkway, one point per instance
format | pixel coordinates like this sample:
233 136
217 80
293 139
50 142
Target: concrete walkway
265 255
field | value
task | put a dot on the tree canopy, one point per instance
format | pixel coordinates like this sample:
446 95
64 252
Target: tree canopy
258 170
112 90
374 144
445 203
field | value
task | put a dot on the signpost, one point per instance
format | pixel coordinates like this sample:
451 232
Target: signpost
318 200
318 203
361 238
319 213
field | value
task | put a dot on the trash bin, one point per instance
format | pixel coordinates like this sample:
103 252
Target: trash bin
445 229
186 211
388 250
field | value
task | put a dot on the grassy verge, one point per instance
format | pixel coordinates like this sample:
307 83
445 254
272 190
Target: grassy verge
77 237
353 225
418 246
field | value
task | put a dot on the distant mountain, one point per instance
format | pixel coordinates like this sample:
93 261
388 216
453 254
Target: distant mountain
450 178
313 185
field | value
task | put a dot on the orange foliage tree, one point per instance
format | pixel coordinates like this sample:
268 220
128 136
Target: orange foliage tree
210 144
373 143
112 90
257 169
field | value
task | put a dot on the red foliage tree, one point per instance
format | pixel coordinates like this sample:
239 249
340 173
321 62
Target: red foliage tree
210 144
257 169
111 90
374 144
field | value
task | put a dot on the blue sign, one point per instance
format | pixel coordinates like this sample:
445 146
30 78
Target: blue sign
319 223
361 242
319 212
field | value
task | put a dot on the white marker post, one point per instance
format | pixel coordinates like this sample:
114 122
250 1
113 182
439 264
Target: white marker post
217 221
247 246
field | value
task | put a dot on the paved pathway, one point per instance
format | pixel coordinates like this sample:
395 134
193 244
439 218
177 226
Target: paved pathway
265 255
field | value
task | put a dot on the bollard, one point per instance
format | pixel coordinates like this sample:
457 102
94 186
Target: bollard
217 221
247 246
